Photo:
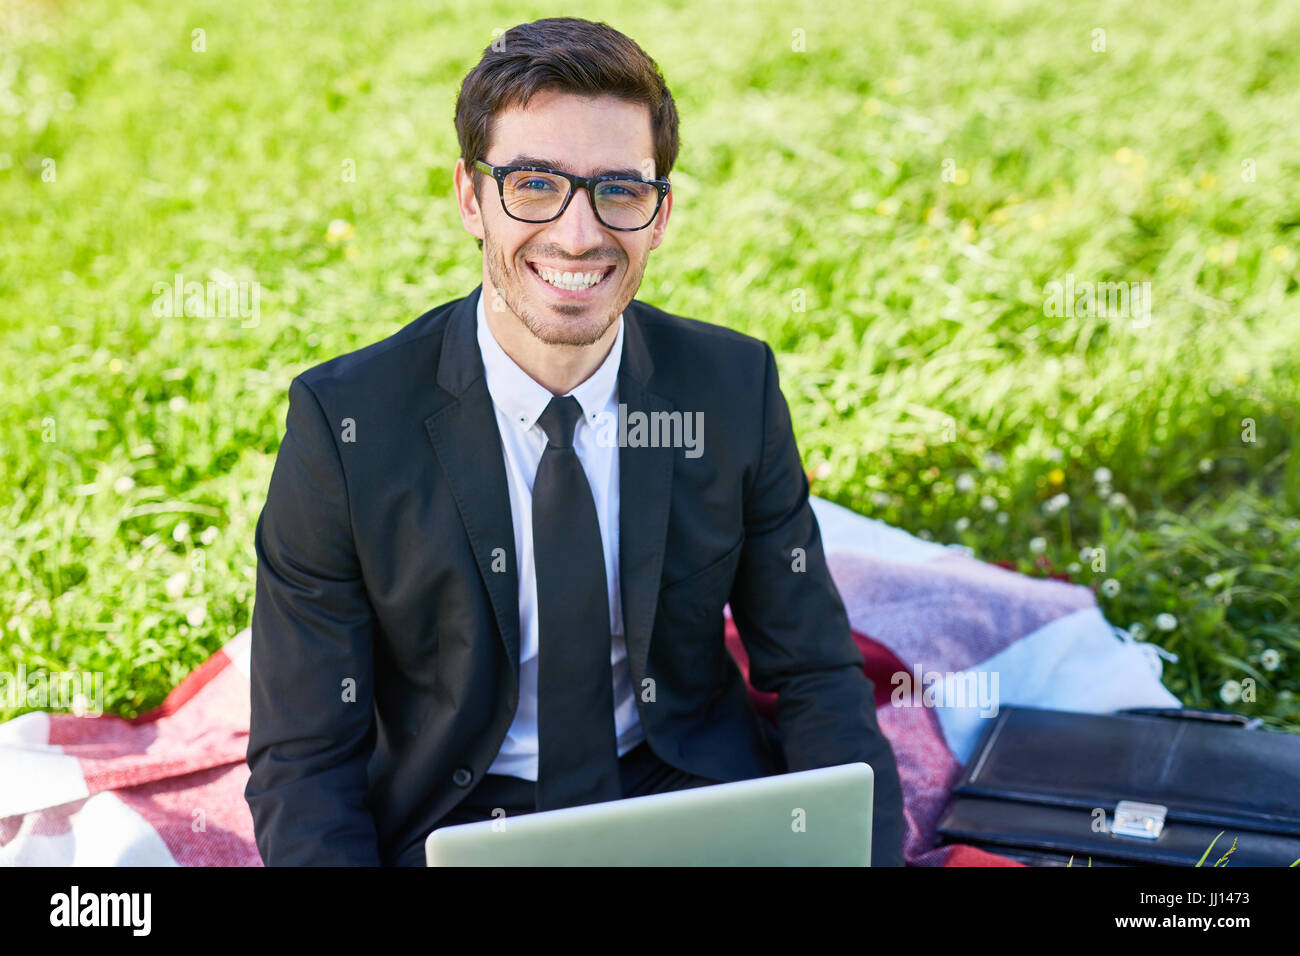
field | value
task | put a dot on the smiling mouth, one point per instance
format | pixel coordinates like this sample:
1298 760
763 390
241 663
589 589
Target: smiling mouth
572 281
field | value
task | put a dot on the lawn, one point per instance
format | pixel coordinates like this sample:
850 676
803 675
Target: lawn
887 193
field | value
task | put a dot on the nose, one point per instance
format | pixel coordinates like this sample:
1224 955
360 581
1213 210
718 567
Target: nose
578 229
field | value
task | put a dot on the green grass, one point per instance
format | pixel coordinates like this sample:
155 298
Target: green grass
138 449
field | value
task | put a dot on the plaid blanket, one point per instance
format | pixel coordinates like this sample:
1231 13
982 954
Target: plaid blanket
947 639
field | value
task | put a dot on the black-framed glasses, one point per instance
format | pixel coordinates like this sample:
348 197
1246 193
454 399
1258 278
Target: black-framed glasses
537 194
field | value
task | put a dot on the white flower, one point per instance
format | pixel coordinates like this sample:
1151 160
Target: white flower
1213 579
180 531
1204 465
1166 622
993 461
965 483
1137 631
196 615
1038 545
1230 692
175 585
880 499
1270 659
989 503
961 524
177 403
1102 476
1055 454
209 534
124 484
1055 503
1117 500
1002 517
1110 587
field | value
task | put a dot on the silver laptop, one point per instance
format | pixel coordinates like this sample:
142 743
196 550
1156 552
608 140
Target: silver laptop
816 817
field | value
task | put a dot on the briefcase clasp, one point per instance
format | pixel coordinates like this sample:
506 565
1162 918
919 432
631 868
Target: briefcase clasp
1143 820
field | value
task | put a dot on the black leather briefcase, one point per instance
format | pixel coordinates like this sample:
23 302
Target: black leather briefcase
1147 786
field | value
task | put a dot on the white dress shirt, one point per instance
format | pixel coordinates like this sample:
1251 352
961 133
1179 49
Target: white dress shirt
519 401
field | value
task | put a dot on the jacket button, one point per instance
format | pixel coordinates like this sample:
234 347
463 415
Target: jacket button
462 776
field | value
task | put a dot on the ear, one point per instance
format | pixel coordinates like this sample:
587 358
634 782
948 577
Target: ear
661 221
471 214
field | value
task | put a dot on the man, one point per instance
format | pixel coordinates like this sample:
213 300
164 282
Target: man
497 545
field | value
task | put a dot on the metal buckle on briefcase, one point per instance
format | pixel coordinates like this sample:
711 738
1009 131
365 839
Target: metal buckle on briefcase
1134 819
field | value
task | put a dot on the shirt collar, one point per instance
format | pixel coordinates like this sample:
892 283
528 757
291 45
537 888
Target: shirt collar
522 398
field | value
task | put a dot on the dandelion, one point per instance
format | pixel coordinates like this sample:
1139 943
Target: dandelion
1123 155
338 229
873 107
1054 504
1137 631
989 503
115 365
1204 466
1056 476
880 499
177 403
209 534
1055 454
993 461
1230 692
124 484
961 524
1038 545
1002 517
175 585
1280 253
196 615
1166 622
1270 659
965 483
180 532
1102 476
1110 587
1213 579
1117 500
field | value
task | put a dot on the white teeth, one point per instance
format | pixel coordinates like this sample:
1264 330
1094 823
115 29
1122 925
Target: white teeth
572 281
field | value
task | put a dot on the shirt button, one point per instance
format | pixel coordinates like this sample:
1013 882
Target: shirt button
462 776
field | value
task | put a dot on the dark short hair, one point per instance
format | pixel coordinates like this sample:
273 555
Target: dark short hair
566 55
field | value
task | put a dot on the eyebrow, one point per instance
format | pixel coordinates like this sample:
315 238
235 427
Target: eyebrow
627 171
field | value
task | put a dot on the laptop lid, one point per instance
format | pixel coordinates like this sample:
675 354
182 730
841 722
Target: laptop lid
818 817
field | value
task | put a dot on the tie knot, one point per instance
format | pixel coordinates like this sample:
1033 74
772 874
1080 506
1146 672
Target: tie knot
559 420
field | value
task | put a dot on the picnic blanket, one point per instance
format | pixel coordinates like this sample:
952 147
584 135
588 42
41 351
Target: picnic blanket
167 788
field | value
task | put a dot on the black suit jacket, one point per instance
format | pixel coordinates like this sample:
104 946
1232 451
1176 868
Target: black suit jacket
385 635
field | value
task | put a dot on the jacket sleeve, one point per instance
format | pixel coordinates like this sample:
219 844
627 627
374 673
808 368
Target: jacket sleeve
793 624
312 730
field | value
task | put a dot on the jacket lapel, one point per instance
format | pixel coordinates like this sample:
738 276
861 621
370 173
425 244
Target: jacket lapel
644 491
463 429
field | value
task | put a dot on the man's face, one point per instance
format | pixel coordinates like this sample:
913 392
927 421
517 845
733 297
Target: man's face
582 135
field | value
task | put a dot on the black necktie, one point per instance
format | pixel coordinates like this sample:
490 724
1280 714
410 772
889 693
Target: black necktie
577 744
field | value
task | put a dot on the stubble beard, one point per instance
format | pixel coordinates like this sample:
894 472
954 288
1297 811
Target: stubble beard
580 328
